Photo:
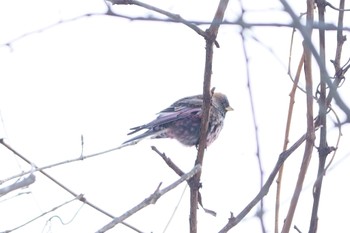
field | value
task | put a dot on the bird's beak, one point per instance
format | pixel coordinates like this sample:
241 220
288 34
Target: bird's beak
229 108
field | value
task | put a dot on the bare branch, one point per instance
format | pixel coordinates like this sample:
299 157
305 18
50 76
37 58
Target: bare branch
321 118
310 134
286 139
175 17
324 149
210 39
307 40
233 221
260 211
35 169
79 197
340 9
168 161
152 199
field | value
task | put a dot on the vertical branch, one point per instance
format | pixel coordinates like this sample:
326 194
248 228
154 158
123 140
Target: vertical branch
310 135
286 140
195 181
210 41
260 211
323 102
321 120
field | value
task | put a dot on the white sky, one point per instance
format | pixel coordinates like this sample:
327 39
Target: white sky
99 76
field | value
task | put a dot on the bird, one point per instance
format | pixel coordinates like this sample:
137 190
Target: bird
182 120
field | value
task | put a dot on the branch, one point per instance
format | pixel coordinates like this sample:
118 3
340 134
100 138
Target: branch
9 43
79 197
324 149
152 199
210 39
175 17
233 221
168 161
321 118
82 157
260 212
310 134
308 42
340 9
286 139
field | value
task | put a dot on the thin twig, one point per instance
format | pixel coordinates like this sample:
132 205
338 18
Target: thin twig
168 161
174 211
35 169
297 229
286 140
260 211
340 9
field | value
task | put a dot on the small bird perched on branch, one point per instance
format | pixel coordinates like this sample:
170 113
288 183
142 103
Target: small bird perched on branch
182 121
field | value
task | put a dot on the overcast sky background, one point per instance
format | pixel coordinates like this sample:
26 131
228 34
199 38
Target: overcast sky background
99 76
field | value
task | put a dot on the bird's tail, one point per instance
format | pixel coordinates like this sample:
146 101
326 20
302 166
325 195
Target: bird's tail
149 133
138 138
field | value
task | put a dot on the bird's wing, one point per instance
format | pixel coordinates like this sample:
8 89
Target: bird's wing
157 126
168 115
